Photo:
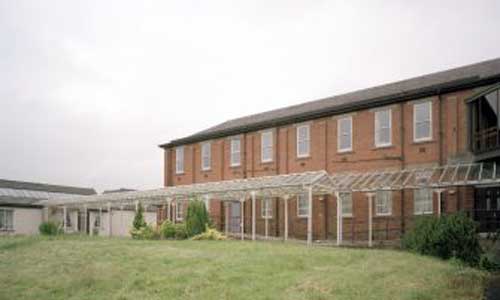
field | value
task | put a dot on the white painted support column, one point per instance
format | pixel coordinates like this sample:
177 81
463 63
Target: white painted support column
370 218
169 217
174 213
286 217
242 207
253 215
226 213
100 218
439 197
339 219
85 219
309 215
136 205
65 212
266 218
110 229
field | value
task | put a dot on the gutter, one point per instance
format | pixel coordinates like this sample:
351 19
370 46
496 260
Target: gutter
449 87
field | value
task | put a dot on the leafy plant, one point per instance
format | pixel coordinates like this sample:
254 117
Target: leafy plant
210 234
50 228
181 232
147 232
197 217
445 237
167 230
139 221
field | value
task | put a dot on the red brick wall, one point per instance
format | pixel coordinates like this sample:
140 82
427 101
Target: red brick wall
449 143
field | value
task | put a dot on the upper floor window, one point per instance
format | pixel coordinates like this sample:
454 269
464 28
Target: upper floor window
206 154
383 203
179 160
303 140
344 134
302 205
235 152
383 128
422 121
266 146
267 208
346 199
422 199
6 219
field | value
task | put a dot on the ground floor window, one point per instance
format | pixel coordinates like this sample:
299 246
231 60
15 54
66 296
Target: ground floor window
302 205
179 211
6 219
383 203
267 208
346 199
422 201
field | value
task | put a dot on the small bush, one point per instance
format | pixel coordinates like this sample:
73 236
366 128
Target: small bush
197 217
139 221
210 234
180 231
50 228
147 232
445 237
167 230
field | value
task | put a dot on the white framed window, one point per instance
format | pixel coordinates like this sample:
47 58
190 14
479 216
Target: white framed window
179 160
302 205
383 128
6 219
303 140
383 203
266 146
179 210
422 121
422 201
206 156
346 199
344 134
235 152
266 208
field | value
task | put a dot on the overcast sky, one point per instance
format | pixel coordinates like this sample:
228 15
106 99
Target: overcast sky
88 89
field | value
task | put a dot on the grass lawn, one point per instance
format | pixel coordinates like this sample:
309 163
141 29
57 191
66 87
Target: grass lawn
100 268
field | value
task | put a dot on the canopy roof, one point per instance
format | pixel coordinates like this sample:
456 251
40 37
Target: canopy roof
293 184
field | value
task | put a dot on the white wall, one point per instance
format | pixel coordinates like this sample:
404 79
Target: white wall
26 220
121 221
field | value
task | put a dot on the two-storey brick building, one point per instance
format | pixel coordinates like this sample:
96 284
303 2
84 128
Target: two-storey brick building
437 119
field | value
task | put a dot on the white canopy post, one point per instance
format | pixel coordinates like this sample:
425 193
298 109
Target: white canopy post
110 232
242 201
339 218
285 212
86 225
439 196
370 218
65 212
226 218
174 211
169 203
253 215
309 215
136 206
266 218
100 218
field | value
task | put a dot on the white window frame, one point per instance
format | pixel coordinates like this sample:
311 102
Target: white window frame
179 210
206 152
179 160
387 204
302 212
4 212
339 134
378 128
419 208
235 152
426 138
266 208
307 141
343 198
263 135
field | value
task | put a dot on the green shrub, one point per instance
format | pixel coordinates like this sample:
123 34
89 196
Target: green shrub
210 234
197 217
139 221
180 231
50 228
167 230
147 232
445 237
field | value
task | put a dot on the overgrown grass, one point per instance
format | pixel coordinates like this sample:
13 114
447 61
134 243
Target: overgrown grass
99 268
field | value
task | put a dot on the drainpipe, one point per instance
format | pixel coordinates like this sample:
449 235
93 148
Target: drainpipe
402 137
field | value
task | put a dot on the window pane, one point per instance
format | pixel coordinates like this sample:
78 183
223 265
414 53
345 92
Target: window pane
383 127
303 140
383 202
346 199
205 152
235 151
267 146
422 130
344 134
302 205
179 159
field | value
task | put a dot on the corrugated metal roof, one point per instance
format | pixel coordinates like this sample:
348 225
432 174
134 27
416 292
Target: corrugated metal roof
33 186
475 74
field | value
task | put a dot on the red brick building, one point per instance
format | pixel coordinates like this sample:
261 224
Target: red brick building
437 119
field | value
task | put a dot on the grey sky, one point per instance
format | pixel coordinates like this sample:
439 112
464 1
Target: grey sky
88 89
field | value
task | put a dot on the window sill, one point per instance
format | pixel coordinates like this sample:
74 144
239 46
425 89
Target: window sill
206 170
382 215
423 213
266 218
267 162
342 152
302 216
179 174
420 142
383 147
303 157
235 166
347 216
